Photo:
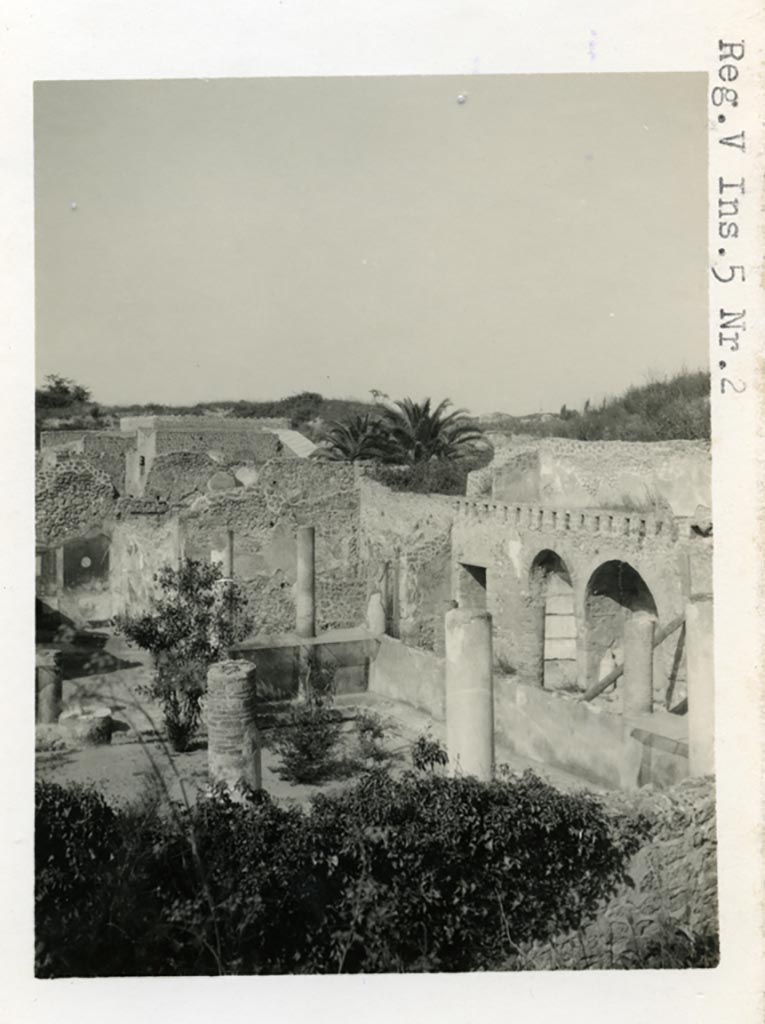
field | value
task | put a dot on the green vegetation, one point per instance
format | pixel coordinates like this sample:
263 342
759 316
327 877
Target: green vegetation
358 439
67 404
197 616
677 407
404 433
417 873
416 434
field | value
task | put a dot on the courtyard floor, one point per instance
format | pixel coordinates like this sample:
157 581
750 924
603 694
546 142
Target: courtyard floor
102 670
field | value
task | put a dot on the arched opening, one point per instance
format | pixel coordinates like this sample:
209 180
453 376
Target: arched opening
614 592
555 616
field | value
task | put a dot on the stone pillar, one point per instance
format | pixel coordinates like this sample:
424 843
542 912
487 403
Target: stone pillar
49 686
638 663
536 641
59 576
699 660
469 693
305 590
233 744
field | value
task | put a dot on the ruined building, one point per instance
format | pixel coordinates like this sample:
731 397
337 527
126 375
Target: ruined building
594 560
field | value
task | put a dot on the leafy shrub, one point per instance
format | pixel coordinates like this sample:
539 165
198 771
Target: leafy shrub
307 748
371 732
410 874
76 846
428 753
192 623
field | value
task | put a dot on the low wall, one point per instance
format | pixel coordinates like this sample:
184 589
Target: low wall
410 675
599 747
277 660
603 748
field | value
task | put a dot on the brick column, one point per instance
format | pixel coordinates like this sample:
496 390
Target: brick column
48 686
233 750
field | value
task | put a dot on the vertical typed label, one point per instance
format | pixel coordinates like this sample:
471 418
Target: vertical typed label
729 271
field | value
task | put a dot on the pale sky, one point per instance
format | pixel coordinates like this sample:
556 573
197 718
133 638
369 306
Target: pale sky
542 242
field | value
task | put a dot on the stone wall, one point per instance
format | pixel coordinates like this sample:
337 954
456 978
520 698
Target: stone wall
108 451
505 542
406 553
245 444
675 886
178 477
264 519
414 677
145 537
58 438
72 498
559 472
592 743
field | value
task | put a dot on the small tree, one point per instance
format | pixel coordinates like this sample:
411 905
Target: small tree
193 621
414 432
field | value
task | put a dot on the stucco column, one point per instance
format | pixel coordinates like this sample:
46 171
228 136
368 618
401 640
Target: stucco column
469 693
48 686
305 589
638 663
233 744
699 660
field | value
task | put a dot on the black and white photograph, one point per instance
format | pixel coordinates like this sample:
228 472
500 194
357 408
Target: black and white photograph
374 525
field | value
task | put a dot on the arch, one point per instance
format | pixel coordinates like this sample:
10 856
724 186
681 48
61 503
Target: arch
554 629
614 591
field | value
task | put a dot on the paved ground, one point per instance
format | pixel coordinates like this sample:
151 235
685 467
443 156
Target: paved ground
105 671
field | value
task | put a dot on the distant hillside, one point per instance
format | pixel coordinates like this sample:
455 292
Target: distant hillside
662 410
63 411
674 408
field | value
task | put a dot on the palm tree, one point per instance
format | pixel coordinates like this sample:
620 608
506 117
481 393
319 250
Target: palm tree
354 440
414 433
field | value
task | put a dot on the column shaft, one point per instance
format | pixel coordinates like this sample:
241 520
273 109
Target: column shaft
305 589
638 664
469 693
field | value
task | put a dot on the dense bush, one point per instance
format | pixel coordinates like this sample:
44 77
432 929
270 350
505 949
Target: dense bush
676 407
419 873
77 842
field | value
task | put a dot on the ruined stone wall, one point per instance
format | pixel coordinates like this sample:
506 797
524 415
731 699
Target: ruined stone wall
145 537
177 477
57 438
264 519
505 540
406 554
72 498
260 445
107 451
675 885
600 474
